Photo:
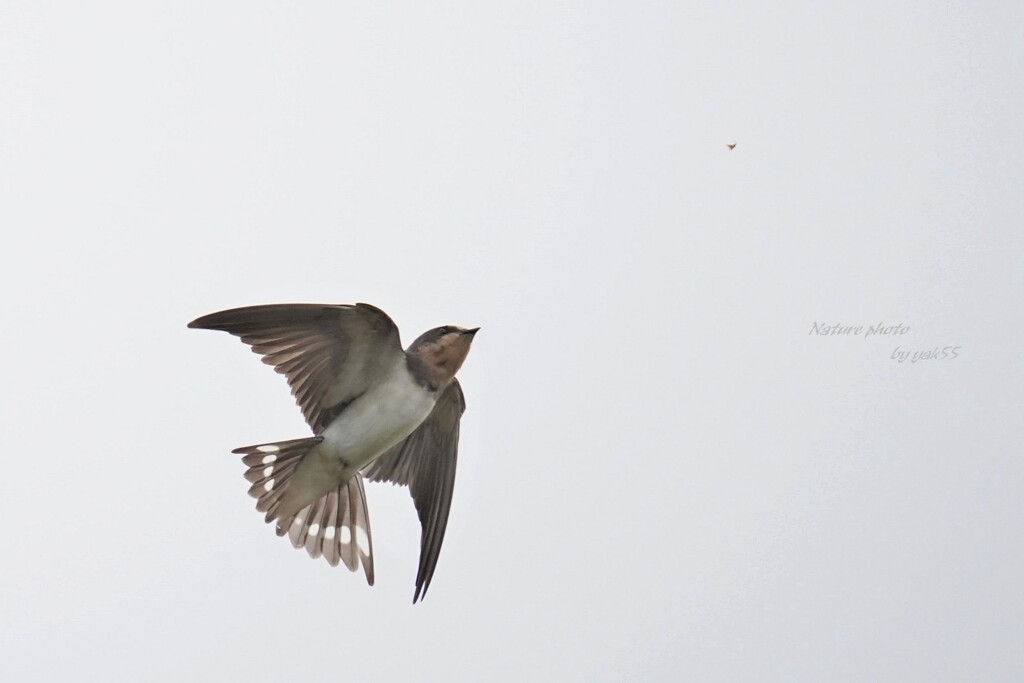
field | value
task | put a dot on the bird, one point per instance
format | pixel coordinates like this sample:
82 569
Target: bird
377 412
731 145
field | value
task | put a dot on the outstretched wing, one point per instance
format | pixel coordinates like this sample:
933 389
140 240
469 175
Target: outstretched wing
330 354
425 462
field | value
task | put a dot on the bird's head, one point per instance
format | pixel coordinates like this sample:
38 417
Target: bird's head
443 350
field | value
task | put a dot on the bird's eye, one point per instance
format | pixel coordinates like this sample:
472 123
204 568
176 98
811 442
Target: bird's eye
444 331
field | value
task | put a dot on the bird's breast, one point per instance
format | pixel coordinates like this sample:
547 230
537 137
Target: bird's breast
384 415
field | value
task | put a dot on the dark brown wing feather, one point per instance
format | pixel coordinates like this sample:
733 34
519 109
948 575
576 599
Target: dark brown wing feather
425 462
330 354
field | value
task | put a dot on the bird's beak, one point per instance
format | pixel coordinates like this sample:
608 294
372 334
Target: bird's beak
471 332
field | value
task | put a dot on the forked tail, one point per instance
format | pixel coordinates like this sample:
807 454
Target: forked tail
336 525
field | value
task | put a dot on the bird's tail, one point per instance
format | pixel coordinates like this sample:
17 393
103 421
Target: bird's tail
336 525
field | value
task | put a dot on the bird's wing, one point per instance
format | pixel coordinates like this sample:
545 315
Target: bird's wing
425 462
330 354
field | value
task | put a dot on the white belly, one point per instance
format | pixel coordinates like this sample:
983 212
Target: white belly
378 419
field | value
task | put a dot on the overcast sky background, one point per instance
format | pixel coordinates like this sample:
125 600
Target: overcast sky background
662 475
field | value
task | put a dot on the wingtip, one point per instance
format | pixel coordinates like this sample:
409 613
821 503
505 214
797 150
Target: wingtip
200 323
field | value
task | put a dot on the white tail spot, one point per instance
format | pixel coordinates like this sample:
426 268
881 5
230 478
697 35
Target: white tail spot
362 540
268 449
314 529
269 485
329 532
267 459
346 536
267 472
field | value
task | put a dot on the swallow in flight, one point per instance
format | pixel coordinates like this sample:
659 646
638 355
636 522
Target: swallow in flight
376 411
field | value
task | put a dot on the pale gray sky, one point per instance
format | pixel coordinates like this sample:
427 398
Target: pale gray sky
663 475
